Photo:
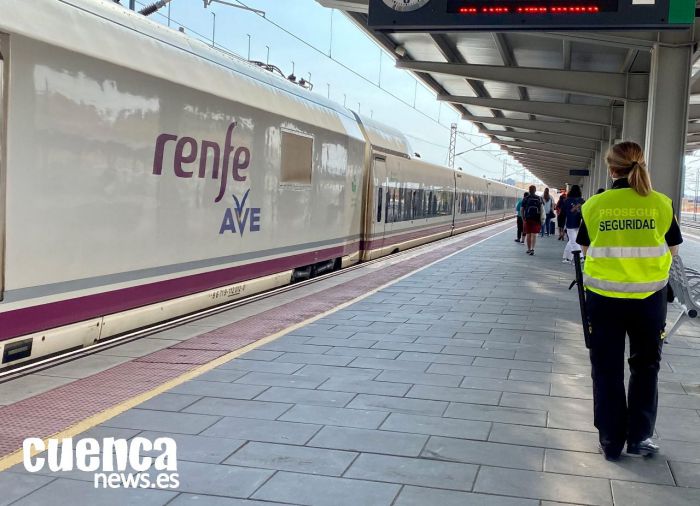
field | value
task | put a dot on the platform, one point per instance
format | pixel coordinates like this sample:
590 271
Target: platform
464 383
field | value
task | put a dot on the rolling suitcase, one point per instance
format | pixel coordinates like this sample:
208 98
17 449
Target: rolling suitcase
551 227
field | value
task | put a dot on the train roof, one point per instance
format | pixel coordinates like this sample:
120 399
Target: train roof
107 31
385 138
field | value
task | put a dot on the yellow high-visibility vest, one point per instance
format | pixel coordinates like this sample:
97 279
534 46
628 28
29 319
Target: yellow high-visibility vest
628 257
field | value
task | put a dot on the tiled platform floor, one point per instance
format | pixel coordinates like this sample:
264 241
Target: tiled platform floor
465 384
690 250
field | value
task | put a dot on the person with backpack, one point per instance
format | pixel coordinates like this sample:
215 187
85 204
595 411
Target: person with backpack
572 211
532 210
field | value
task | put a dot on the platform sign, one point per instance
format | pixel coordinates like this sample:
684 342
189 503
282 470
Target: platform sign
579 172
512 15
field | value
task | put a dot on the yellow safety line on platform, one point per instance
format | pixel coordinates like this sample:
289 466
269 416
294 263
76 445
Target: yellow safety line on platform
84 425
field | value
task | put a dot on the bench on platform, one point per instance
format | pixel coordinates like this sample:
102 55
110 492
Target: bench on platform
685 283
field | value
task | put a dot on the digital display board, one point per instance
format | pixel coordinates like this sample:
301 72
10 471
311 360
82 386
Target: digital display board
506 15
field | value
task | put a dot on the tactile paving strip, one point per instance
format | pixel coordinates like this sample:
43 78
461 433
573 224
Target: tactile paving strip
56 410
183 356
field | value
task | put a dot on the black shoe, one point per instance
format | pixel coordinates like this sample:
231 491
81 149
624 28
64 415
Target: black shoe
532 252
609 455
646 447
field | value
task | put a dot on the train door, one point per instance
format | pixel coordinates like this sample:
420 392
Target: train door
381 195
3 155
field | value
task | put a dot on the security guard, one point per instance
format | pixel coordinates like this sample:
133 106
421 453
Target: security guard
628 235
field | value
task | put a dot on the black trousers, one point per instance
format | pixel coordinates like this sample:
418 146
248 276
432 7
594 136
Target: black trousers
520 227
619 417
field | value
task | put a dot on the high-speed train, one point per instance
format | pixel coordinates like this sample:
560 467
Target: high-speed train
145 175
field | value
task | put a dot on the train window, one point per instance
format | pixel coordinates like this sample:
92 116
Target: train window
399 209
380 190
408 204
446 201
396 205
388 212
297 158
388 215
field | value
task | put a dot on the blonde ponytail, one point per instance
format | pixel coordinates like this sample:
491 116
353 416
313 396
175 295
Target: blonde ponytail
639 180
626 159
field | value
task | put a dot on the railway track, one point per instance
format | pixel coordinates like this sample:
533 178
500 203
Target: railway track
65 357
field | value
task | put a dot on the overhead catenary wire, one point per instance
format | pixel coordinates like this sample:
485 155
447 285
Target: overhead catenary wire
320 51
462 135
349 69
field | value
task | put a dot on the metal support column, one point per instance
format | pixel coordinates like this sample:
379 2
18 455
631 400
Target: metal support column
634 122
602 166
588 184
595 170
667 116
599 173
634 115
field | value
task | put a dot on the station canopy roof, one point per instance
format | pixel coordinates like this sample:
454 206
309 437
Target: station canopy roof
547 98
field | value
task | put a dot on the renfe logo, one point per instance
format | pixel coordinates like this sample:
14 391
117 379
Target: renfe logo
122 463
235 160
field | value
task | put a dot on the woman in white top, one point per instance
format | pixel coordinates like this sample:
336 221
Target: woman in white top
548 211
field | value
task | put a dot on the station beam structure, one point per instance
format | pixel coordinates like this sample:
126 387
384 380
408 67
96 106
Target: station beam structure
557 95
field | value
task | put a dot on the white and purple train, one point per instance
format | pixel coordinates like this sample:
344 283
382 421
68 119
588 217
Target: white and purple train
145 175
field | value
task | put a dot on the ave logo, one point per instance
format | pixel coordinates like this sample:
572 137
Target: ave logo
239 218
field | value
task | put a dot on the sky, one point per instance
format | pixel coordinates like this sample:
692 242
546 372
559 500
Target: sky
344 64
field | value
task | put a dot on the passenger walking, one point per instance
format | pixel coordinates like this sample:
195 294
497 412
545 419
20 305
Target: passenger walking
548 203
521 235
629 234
561 216
572 211
532 212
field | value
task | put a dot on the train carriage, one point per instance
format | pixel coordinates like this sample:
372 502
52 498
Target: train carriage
144 184
137 186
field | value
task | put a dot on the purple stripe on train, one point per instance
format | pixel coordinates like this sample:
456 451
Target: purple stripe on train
46 316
